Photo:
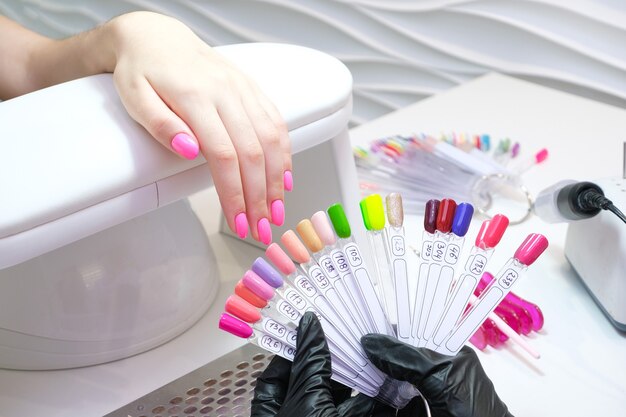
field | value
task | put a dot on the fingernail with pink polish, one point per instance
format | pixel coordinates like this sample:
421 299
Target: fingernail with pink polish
241 225
278 212
288 180
185 145
265 231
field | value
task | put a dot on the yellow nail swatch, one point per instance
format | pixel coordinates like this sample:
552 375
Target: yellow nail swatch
373 212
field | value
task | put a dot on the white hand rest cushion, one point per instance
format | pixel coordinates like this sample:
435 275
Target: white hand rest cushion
74 163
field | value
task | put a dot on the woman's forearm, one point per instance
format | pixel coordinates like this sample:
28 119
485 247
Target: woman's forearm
34 61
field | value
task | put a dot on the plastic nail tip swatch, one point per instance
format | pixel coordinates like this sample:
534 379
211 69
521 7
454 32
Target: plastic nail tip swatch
354 292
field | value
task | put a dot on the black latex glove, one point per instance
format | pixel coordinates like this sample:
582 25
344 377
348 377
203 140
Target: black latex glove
304 388
455 386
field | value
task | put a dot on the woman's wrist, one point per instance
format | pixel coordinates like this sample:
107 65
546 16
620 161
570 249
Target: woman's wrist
52 61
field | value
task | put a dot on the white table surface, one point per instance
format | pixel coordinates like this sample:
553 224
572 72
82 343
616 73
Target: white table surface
582 371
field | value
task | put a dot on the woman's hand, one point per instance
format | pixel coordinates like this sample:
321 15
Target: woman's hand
192 99
186 95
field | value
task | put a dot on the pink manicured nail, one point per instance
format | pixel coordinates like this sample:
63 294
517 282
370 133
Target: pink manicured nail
265 231
185 145
288 180
241 225
278 212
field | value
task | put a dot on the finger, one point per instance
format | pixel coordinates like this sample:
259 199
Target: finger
251 165
309 382
269 138
283 131
271 388
221 156
401 361
148 109
340 392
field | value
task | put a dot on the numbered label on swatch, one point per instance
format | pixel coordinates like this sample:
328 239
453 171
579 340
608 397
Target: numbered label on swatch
397 245
439 251
305 286
508 278
327 263
319 277
276 329
353 254
476 264
427 249
271 344
289 353
295 299
288 310
340 261
452 254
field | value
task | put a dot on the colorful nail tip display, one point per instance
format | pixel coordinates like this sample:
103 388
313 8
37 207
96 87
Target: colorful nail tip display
430 215
395 211
480 237
339 220
257 285
495 230
323 228
280 259
541 156
235 326
245 293
531 248
445 215
462 219
295 247
309 237
263 269
241 309
373 212
331 280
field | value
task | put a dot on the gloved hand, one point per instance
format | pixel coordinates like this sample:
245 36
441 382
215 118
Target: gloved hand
454 386
304 388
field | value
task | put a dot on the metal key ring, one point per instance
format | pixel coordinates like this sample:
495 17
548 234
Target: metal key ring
483 209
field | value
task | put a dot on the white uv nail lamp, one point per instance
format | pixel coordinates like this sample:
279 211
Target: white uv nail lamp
101 256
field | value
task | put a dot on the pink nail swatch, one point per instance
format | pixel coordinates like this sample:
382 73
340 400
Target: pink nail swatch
235 326
278 212
265 231
241 225
280 259
257 285
185 145
288 180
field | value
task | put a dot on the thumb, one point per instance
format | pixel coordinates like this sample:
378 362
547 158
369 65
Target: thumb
148 109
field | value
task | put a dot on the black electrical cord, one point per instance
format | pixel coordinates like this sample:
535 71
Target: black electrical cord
591 199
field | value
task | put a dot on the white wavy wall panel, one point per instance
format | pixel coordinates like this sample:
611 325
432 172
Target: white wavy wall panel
399 51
